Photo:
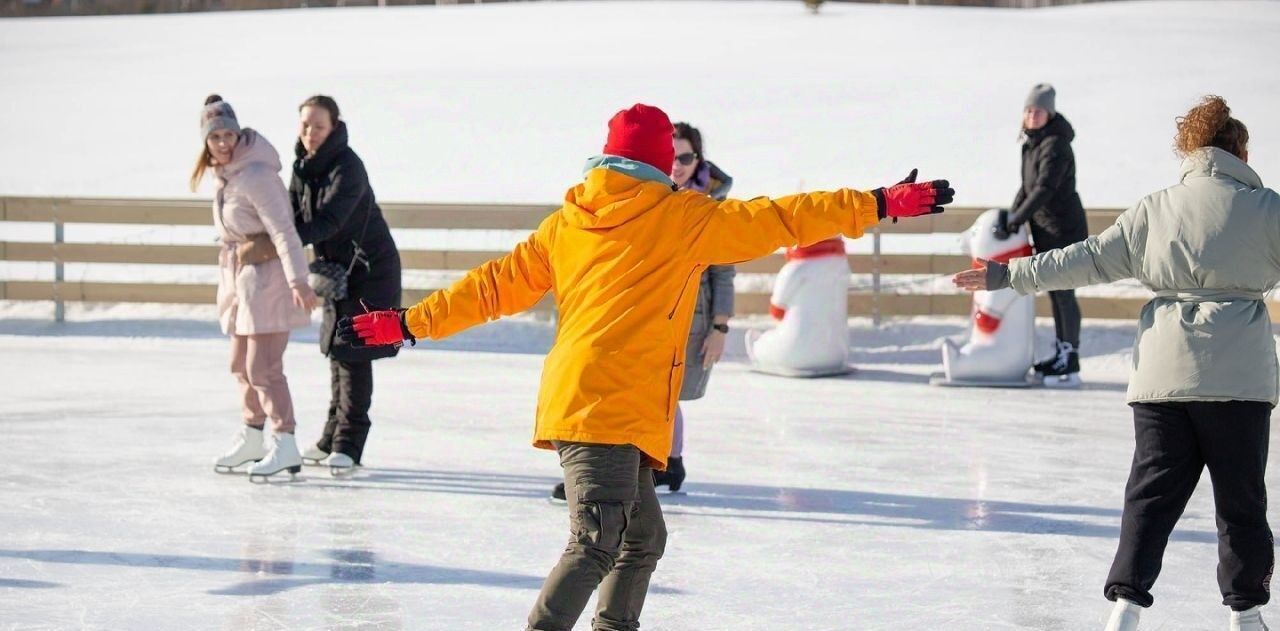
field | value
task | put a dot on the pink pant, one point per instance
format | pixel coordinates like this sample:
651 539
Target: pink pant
257 361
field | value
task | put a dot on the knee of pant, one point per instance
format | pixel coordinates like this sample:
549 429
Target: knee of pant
657 542
263 377
602 525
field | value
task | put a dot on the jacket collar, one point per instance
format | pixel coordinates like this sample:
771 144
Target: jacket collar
1213 162
627 166
311 167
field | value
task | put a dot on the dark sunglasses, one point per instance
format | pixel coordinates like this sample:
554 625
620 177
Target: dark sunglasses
686 158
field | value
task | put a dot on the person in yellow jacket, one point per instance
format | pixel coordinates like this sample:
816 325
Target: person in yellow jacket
623 257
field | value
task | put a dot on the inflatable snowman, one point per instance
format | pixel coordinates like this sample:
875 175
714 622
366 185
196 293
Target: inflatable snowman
1001 336
811 303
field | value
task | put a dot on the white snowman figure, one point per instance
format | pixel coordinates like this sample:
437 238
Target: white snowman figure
1000 348
811 303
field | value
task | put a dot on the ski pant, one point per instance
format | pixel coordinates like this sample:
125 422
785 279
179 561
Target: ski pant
1175 442
257 361
351 394
1066 316
616 536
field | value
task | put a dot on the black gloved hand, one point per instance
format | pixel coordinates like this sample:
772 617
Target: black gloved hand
1001 229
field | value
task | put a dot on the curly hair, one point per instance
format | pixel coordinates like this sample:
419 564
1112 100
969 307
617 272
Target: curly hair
1210 124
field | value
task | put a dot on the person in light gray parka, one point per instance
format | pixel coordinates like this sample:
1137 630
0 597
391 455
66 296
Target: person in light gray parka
1204 364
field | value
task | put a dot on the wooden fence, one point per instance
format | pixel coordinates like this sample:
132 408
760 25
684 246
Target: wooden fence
876 302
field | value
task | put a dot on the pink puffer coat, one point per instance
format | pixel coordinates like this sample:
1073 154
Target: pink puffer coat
250 199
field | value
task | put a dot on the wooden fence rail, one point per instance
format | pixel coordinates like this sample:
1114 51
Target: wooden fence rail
194 212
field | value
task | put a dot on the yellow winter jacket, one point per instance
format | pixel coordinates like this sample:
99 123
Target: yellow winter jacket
623 258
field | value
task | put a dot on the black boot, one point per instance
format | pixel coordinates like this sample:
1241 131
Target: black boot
557 494
673 477
1042 366
1064 372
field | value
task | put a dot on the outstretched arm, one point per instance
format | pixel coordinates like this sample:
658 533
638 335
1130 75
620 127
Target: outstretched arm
1104 258
497 288
503 286
733 231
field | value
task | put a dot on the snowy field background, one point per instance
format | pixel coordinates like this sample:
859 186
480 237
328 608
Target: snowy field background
504 102
868 502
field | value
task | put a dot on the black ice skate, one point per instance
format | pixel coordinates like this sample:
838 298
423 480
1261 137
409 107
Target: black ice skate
1064 372
673 477
1047 364
557 494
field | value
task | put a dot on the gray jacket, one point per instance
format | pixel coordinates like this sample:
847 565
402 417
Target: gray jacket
1209 248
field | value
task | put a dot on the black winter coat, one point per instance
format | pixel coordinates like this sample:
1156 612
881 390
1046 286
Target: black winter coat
1048 198
335 211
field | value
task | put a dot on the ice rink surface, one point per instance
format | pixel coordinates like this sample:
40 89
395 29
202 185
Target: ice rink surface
868 502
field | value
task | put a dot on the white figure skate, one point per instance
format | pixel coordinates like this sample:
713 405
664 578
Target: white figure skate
1124 616
246 447
282 455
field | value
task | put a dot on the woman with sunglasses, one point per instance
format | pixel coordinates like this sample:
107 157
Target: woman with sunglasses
692 171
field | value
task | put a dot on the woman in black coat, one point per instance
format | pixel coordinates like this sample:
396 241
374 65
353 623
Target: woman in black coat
336 213
1048 202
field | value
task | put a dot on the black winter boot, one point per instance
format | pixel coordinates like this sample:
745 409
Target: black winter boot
673 477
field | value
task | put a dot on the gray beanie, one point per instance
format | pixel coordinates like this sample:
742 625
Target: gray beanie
218 115
1042 96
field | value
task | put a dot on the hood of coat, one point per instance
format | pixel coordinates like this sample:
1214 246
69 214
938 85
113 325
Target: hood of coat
613 192
253 149
1057 126
309 168
1213 162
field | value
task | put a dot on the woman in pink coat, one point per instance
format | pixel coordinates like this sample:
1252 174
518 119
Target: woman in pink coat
258 304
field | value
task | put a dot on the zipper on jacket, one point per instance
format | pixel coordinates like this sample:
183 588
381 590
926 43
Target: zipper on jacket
683 288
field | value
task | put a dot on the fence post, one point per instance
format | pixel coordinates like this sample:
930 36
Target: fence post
59 308
875 277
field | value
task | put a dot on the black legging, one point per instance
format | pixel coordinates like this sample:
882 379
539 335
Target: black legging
1066 316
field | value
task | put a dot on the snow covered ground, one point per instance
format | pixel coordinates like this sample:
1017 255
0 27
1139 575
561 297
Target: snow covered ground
861 503
504 102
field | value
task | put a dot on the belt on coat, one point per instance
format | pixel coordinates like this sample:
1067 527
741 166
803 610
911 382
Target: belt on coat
1209 295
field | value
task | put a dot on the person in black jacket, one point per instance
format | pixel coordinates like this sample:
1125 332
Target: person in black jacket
1048 202
336 213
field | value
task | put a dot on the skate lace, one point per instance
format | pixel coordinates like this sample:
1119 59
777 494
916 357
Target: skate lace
1064 354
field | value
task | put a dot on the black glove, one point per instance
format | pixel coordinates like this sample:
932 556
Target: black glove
1001 229
997 275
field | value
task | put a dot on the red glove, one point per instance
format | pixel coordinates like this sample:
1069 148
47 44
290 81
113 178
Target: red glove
380 328
909 199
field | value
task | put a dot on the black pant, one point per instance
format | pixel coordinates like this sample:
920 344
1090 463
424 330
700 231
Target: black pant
351 384
1175 442
1066 316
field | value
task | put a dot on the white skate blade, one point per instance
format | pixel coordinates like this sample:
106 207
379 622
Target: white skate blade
940 379
1064 381
232 469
